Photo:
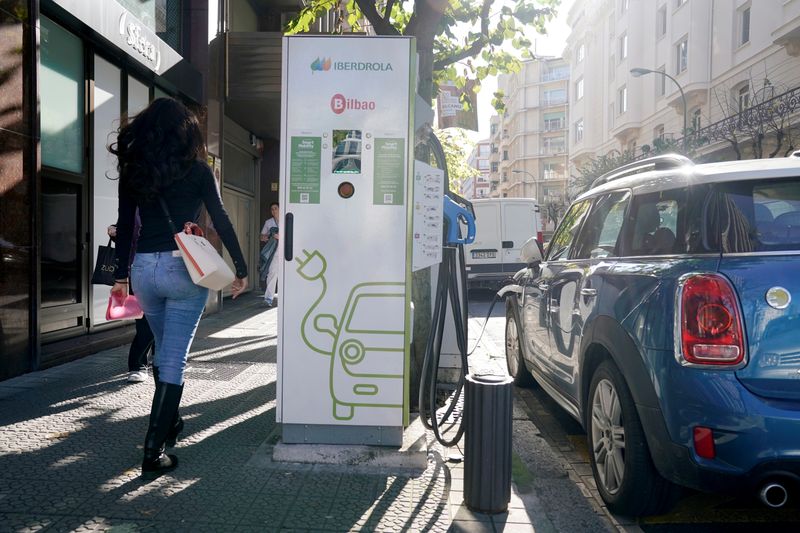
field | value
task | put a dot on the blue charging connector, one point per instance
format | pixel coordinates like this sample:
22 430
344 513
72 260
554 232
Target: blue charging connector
453 214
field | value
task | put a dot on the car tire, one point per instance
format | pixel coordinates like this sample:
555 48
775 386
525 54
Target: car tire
515 363
623 469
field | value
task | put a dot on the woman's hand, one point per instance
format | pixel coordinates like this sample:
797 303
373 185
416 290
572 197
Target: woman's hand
112 231
238 286
120 288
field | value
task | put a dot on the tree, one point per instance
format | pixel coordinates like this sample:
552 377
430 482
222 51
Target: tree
457 147
467 33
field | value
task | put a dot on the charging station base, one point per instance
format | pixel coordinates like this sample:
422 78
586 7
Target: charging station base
331 434
410 452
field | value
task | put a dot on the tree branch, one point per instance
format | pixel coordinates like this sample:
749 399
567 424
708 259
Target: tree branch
381 25
387 13
473 49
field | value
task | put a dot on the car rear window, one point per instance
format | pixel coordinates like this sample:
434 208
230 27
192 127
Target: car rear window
758 216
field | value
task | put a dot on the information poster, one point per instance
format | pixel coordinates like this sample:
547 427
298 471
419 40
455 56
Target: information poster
388 182
304 170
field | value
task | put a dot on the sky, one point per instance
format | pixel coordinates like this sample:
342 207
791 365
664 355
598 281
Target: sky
551 44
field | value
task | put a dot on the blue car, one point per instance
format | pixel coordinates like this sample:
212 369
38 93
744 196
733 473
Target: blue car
663 318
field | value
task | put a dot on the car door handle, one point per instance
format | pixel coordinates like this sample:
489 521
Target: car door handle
589 293
543 286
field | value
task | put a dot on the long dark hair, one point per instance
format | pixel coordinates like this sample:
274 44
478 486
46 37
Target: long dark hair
157 148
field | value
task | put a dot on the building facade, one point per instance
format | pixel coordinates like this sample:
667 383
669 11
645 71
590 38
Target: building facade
479 160
528 143
74 70
727 57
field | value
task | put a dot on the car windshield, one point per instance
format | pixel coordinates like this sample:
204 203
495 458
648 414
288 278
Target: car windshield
757 216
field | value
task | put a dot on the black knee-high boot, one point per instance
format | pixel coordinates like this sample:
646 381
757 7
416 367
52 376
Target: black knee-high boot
177 421
162 412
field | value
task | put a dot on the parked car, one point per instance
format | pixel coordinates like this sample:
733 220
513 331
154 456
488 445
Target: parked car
502 227
662 318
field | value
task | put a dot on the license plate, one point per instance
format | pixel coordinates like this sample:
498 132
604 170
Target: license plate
484 254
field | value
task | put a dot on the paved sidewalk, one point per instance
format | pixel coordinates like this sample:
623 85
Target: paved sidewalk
71 443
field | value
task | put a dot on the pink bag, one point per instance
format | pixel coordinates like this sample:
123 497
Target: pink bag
126 307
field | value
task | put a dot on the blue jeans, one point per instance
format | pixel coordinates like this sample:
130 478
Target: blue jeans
173 306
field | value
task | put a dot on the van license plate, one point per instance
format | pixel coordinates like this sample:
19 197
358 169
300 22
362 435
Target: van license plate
483 254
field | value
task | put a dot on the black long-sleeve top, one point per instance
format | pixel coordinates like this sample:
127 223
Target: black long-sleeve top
184 199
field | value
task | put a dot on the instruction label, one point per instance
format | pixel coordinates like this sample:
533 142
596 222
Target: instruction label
304 170
428 192
388 182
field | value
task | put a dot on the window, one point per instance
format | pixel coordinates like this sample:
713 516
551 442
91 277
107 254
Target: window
483 164
661 22
623 47
494 148
579 88
494 166
505 176
580 53
744 25
553 121
553 145
579 131
493 129
682 55
505 155
601 231
743 97
567 231
654 224
696 119
622 100
612 68
661 82
658 133
555 96
62 95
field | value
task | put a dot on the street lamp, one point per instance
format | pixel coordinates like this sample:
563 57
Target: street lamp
533 178
638 72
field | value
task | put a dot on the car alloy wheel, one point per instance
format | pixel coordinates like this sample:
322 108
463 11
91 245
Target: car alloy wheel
608 436
512 347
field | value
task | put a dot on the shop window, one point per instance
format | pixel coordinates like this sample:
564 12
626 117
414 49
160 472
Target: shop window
61 97
161 16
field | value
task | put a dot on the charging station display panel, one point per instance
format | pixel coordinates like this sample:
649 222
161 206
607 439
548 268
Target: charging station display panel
344 293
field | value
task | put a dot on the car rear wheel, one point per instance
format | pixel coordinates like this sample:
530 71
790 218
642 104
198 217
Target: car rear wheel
623 470
514 363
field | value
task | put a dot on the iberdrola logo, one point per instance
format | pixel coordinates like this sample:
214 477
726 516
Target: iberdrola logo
321 64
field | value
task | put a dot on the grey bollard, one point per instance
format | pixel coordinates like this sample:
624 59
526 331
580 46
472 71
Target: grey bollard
488 405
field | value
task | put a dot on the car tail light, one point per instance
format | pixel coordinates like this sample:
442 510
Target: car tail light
710 323
704 442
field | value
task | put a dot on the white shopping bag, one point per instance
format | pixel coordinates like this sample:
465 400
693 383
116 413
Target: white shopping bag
204 264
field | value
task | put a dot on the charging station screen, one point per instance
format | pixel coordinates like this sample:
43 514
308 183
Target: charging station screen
346 152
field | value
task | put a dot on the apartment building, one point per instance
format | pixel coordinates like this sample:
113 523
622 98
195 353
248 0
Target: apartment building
478 186
529 145
727 56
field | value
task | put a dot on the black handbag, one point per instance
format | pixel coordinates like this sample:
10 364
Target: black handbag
106 265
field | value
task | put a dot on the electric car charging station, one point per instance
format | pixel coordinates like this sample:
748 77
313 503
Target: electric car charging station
345 311
360 215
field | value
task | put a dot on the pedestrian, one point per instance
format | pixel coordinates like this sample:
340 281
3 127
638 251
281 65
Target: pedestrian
162 172
142 343
270 262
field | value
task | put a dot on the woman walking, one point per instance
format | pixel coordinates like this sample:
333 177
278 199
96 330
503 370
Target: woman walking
160 157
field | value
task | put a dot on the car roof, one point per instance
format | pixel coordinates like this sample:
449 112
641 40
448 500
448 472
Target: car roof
686 175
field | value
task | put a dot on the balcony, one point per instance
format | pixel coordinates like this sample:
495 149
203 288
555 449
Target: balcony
549 102
553 175
554 125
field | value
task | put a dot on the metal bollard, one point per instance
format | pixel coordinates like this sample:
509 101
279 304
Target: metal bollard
488 404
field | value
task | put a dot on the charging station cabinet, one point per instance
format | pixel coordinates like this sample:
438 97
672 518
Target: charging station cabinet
346 188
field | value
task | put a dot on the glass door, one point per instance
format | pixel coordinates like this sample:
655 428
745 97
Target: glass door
63 229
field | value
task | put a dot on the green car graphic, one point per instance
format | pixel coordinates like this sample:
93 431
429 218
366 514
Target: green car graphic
366 343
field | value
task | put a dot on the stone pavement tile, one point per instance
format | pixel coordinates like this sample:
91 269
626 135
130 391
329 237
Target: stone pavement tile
55 498
464 514
512 516
25 523
309 513
285 481
468 526
210 507
514 528
267 510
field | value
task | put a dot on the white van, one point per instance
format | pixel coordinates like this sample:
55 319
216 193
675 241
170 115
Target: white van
502 227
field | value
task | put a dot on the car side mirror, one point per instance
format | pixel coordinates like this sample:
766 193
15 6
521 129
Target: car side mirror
531 252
